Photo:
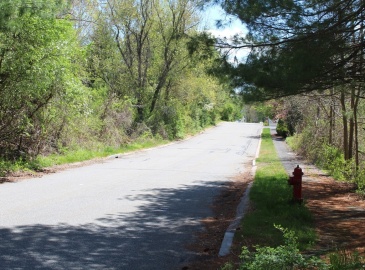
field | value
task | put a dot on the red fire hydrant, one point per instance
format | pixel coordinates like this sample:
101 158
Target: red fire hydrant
296 182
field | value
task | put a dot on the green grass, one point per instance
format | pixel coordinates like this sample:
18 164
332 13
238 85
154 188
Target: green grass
271 196
7 167
74 155
79 155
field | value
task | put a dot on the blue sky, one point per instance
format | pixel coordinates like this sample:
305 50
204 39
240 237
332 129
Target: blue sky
214 13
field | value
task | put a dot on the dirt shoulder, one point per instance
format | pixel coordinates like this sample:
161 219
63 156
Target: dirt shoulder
208 242
339 214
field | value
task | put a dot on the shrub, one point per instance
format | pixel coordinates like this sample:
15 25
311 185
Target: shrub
288 257
345 260
285 256
282 129
332 160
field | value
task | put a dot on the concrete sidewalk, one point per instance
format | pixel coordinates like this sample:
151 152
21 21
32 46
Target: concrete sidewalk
288 158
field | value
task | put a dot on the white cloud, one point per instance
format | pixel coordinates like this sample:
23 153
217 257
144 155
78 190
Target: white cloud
228 31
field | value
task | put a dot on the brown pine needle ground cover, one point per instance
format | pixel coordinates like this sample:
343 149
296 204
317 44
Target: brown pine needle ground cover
339 213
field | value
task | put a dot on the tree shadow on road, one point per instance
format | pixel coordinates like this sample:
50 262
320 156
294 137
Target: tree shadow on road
153 237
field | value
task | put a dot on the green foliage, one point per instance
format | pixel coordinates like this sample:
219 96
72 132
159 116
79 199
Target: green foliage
227 112
231 112
37 54
293 142
294 117
286 256
162 74
255 113
8 167
169 122
345 260
282 71
144 61
360 182
293 46
201 46
307 145
265 110
82 154
332 160
282 128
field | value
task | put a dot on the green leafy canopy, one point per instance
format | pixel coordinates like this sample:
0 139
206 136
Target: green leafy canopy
296 46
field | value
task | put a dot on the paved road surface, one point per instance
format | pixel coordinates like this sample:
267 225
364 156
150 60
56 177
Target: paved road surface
134 212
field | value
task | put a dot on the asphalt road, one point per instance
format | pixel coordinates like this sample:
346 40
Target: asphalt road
138 211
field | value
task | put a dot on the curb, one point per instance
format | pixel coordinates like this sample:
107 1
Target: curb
240 212
229 234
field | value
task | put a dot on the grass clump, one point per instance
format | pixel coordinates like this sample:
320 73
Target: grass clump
7 167
345 260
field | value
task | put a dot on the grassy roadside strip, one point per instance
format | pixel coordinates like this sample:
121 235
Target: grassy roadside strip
270 196
275 231
76 155
67 156
84 154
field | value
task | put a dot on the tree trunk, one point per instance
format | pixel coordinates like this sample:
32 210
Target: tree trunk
351 125
345 125
332 120
357 162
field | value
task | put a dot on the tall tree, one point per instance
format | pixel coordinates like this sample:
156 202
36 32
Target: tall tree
150 39
297 46
36 51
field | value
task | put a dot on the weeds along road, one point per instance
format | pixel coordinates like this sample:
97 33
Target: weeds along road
138 211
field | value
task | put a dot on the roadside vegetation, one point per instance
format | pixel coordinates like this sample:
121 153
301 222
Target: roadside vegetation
322 128
327 131
308 58
73 155
278 232
83 79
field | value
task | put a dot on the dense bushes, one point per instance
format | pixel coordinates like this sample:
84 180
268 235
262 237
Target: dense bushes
282 129
328 131
65 87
